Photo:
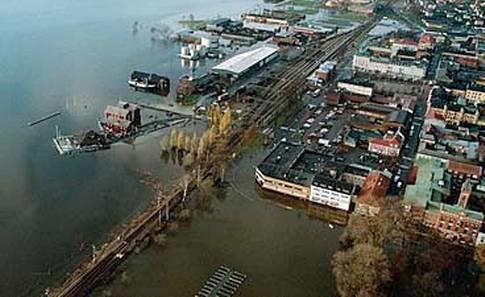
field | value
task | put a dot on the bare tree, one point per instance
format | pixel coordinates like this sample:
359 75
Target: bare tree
225 123
187 144
194 142
165 143
181 140
388 225
360 271
173 138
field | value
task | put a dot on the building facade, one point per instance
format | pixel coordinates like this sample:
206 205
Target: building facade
389 145
326 190
388 67
282 186
355 87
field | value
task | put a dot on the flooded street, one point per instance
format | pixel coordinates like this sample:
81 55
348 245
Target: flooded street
279 243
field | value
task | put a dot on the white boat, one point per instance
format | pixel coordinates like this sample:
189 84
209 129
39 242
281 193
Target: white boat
141 84
331 226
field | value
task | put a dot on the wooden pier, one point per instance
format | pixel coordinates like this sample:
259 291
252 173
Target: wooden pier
223 283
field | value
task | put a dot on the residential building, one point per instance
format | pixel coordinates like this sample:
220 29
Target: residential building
389 145
121 119
389 67
372 196
475 92
427 42
445 106
433 202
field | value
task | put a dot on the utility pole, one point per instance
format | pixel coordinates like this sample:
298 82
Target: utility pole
186 186
159 202
167 212
93 253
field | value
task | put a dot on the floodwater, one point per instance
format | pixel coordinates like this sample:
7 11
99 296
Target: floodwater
282 245
75 57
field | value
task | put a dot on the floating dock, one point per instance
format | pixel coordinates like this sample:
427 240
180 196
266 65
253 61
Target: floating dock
224 283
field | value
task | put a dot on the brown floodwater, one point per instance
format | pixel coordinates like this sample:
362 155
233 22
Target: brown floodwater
282 245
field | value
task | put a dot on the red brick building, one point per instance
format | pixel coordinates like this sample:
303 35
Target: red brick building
389 145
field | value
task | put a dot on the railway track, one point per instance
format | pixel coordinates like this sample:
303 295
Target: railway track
291 80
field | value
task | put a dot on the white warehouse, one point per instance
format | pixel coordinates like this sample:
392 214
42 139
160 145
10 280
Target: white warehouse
403 70
241 64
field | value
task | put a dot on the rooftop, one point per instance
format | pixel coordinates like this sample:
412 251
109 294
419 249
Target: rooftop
375 188
242 62
433 187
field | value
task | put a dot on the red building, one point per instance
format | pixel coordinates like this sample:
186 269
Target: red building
427 42
372 196
389 145
121 119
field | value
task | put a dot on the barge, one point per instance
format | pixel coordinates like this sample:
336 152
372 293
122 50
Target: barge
149 82
90 141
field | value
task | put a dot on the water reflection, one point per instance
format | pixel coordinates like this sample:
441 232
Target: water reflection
312 210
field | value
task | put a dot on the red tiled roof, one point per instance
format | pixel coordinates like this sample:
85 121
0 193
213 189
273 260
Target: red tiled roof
465 168
374 190
406 42
413 174
390 142
427 38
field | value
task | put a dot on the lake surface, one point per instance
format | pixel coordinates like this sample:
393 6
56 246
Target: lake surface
75 57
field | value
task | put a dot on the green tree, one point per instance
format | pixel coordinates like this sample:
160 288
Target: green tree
360 271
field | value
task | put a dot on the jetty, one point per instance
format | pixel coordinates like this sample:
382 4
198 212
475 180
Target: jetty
122 122
43 119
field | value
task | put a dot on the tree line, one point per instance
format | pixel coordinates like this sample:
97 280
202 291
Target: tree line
381 257
196 150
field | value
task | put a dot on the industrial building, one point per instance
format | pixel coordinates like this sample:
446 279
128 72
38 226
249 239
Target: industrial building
246 62
307 175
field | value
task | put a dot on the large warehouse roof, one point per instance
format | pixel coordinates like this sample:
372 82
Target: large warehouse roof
242 62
